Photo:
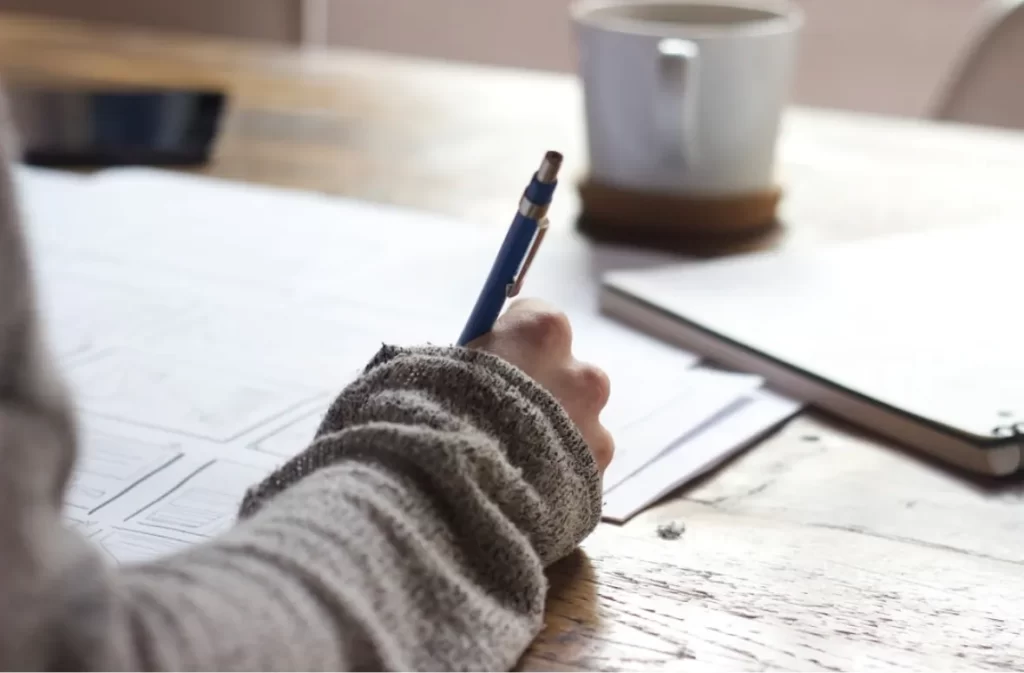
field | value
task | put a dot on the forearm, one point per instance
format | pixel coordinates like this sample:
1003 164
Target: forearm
338 575
412 535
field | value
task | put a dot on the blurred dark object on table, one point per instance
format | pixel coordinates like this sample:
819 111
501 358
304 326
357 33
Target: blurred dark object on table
80 127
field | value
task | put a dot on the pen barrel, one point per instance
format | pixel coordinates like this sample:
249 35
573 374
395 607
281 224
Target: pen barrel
495 290
516 251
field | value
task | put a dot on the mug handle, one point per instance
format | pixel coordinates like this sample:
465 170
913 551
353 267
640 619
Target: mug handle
676 106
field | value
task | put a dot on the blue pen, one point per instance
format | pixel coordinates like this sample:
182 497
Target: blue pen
517 251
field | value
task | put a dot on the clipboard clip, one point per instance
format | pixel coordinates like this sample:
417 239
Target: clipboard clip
512 289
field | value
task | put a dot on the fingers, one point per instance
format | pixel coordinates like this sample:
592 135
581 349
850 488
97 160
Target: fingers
600 443
537 337
531 330
586 388
538 325
545 334
597 384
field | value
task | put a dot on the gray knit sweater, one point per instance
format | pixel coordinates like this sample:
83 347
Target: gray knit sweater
412 534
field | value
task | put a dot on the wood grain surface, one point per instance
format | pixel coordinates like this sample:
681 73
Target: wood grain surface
818 549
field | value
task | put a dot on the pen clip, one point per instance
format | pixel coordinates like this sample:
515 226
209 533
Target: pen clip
517 283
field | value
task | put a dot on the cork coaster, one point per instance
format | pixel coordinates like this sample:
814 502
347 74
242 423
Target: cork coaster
695 225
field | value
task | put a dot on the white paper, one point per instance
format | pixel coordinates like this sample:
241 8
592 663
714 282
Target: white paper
287 438
205 327
203 504
643 430
190 397
139 493
110 466
698 453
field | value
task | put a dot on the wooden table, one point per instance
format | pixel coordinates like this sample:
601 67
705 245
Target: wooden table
820 548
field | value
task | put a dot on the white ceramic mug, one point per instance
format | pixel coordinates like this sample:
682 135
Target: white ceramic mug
685 97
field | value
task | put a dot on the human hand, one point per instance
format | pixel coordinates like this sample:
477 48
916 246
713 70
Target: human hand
537 338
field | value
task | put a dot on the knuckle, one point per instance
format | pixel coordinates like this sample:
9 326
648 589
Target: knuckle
603 448
595 384
550 330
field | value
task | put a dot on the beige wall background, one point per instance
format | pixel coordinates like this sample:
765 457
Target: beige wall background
885 56
880 56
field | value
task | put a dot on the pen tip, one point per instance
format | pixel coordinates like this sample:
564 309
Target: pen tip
549 166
